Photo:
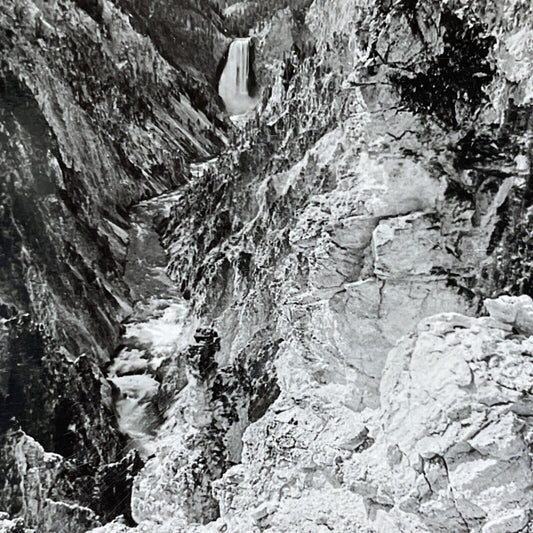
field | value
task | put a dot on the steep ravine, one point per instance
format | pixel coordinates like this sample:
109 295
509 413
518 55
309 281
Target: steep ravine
159 328
348 243
92 120
329 326
154 331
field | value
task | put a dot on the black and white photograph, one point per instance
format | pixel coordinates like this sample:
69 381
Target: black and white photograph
266 266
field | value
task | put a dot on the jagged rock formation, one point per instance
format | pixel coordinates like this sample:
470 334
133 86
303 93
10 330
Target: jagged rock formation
335 262
372 206
93 118
451 433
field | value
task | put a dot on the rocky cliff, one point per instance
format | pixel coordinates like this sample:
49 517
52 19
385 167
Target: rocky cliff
93 119
334 267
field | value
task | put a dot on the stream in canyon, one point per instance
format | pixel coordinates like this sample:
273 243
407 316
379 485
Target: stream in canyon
326 327
158 327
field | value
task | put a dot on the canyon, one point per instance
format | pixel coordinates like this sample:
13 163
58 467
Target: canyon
314 316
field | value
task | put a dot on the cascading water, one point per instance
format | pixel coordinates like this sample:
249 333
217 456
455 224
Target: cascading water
234 81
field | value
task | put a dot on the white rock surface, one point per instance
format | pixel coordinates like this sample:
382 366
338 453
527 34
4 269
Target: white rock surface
447 450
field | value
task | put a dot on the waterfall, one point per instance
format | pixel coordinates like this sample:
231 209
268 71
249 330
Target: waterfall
238 60
234 80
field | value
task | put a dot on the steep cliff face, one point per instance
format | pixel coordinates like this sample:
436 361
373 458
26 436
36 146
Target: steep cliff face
92 119
176 29
377 187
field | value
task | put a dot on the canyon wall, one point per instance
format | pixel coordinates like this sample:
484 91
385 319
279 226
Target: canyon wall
93 119
376 193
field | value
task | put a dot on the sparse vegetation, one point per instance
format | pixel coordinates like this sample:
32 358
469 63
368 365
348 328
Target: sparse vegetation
452 85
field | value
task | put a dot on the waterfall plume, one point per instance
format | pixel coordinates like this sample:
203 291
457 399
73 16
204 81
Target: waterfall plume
236 78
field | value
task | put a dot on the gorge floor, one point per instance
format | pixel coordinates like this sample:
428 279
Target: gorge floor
157 328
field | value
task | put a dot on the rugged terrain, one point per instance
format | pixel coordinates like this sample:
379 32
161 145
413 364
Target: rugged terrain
93 119
326 326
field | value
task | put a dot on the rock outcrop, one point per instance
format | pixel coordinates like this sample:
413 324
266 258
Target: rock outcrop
359 205
30 483
447 450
